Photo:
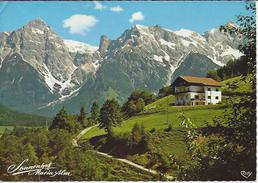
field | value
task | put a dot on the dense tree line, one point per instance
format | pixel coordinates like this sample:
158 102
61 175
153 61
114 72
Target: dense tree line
41 145
165 91
136 102
232 69
121 144
74 123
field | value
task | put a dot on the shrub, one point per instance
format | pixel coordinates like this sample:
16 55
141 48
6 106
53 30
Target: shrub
152 130
169 128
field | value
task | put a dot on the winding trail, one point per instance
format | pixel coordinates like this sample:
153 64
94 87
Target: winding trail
75 140
154 172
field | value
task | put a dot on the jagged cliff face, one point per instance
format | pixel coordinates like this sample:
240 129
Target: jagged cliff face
148 58
58 67
71 73
40 47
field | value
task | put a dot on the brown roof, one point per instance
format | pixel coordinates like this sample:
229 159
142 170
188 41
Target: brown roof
201 80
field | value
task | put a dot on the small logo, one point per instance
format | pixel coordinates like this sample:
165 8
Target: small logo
246 174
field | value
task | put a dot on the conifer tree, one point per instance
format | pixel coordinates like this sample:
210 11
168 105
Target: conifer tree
110 115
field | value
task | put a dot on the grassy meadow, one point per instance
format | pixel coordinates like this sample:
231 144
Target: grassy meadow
163 116
2 129
236 86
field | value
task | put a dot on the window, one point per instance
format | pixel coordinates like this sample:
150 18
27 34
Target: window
209 103
217 89
196 96
209 97
217 97
209 89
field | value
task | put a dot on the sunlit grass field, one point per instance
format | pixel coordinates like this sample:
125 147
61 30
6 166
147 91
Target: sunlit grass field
161 118
2 129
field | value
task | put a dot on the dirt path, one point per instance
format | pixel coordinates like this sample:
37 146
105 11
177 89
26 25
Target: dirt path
75 140
128 162
75 143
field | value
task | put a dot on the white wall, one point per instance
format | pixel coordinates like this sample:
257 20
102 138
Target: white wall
213 94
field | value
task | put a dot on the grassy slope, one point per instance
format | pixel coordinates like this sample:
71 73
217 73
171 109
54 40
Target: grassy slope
167 143
160 119
236 85
9 117
161 104
120 171
2 129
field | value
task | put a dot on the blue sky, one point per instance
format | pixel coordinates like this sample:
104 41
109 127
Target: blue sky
87 21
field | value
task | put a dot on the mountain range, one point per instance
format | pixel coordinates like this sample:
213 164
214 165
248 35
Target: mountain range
40 71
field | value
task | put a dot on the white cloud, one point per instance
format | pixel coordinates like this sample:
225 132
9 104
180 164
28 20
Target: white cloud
99 6
116 8
80 24
137 16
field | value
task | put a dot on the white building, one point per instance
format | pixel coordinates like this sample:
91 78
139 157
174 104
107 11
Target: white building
190 90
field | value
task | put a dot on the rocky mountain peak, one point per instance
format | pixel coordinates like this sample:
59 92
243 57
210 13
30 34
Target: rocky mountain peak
37 24
104 44
142 29
231 24
37 21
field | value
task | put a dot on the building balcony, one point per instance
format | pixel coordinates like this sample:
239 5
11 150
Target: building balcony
188 91
197 100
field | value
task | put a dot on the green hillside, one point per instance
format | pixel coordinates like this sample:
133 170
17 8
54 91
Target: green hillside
156 119
160 117
10 117
161 104
3 128
236 86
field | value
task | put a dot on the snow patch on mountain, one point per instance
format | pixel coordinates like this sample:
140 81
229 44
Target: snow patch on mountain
168 44
62 98
142 29
219 63
158 58
76 46
230 51
51 81
173 68
167 57
7 33
184 33
37 31
187 43
96 65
